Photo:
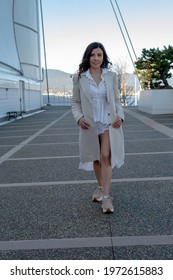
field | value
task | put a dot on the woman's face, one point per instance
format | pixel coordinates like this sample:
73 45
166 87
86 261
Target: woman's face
96 58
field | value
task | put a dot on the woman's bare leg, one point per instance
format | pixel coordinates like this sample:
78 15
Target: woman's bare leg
97 170
106 169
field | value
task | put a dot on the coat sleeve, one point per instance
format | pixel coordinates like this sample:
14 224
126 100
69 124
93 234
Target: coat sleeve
76 100
118 105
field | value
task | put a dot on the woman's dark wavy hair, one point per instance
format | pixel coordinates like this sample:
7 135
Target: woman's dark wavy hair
84 65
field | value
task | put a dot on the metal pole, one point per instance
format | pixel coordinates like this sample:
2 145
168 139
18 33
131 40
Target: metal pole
45 60
126 30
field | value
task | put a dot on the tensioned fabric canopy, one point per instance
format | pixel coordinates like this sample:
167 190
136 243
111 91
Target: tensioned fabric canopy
19 37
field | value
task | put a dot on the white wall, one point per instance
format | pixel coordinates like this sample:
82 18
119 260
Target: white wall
15 97
156 101
20 64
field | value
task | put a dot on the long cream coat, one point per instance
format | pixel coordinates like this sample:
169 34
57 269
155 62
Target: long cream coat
82 106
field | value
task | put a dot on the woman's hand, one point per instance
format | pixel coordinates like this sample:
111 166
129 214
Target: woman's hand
83 124
117 123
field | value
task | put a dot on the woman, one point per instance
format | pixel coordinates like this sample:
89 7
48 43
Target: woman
98 111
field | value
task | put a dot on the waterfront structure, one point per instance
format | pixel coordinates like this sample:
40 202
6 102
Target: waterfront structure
20 58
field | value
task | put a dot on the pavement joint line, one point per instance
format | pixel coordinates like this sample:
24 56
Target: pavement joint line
80 182
29 139
34 126
57 134
64 128
72 143
57 143
71 134
139 131
10 131
17 136
131 131
1 146
151 123
89 242
41 158
77 142
149 153
43 135
147 139
77 156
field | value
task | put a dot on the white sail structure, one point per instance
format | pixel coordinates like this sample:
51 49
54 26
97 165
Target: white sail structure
8 54
20 59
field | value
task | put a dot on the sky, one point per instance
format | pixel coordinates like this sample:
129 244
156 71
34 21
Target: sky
71 25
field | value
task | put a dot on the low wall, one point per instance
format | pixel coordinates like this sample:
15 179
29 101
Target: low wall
19 96
156 101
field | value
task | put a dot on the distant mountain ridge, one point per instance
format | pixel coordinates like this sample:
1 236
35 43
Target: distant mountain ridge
57 79
61 80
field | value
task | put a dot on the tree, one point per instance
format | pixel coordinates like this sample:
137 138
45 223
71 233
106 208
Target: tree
153 67
125 90
120 68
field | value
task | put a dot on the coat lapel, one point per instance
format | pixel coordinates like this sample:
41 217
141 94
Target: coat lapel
108 85
84 81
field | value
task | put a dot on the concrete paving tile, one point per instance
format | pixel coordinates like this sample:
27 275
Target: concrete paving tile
143 166
130 119
65 169
161 116
56 139
14 133
4 150
41 170
161 145
12 140
23 126
139 127
155 117
37 122
53 150
159 252
51 212
142 208
66 211
164 121
169 125
58 130
137 135
63 124
60 254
